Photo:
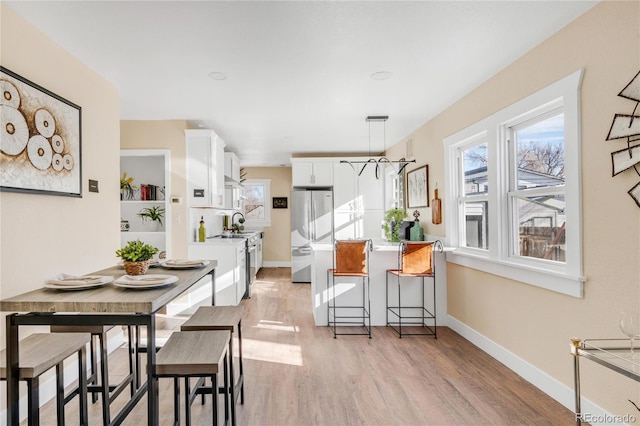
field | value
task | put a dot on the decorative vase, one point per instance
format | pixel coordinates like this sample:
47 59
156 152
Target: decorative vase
152 226
135 268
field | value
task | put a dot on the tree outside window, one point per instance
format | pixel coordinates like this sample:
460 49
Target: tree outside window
257 210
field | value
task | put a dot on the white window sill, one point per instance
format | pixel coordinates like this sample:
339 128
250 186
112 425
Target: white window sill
549 280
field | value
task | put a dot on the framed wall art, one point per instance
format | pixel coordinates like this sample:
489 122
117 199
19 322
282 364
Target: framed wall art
40 139
418 187
279 202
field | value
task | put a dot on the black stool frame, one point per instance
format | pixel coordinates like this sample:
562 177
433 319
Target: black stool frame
424 314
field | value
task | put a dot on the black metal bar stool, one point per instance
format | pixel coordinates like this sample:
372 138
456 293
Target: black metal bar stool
195 354
38 353
227 318
102 385
351 260
415 260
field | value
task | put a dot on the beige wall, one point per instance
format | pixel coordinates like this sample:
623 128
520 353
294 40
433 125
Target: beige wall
533 323
165 134
43 235
277 237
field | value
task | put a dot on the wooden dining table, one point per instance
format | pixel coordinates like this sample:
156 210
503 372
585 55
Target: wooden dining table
103 305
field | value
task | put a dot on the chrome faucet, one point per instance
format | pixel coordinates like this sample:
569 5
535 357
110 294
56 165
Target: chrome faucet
233 222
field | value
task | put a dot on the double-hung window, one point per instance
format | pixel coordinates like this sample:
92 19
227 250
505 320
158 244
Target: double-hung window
514 190
473 192
257 193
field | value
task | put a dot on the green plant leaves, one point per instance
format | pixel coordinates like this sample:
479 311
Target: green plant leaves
136 251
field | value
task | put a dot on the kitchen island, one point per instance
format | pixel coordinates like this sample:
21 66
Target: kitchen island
383 257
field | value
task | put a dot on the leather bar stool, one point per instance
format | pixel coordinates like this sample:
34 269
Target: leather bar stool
415 260
351 260
38 353
195 354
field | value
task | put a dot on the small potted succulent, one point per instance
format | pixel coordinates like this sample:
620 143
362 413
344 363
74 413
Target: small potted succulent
135 257
153 214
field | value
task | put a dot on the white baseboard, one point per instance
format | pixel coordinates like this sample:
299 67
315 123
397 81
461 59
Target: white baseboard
48 387
270 264
537 377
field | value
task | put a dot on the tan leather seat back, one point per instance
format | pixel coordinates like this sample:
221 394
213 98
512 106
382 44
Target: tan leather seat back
351 257
417 258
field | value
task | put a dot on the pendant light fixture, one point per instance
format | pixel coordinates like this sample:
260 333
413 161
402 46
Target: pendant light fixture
397 165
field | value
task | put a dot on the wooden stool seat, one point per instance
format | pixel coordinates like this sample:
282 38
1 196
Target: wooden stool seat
222 318
38 353
214 318
195 354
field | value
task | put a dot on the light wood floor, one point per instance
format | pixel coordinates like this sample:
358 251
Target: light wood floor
298 374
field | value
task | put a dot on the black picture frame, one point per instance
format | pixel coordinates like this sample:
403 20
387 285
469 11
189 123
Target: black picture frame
418 187
279 202
40 139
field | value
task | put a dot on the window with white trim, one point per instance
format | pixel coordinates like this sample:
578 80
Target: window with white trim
514 190
257 194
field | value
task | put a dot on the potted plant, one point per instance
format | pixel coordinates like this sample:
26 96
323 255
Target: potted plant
135 257
392 220
154 214
126 187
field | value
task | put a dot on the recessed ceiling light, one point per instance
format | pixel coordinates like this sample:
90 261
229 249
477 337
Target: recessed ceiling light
381 75
216 75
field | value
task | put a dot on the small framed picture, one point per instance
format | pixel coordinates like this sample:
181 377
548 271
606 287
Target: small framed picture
418 187
279 202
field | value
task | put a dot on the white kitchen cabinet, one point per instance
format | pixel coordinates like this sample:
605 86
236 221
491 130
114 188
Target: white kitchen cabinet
346 224
358 201
233 188
311 174
259 255
233 198
241 278
231 167
344 191
370 190
205 168
355 191
231 270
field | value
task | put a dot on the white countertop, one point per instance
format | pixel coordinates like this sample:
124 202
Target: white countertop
378 245
227 241
232 242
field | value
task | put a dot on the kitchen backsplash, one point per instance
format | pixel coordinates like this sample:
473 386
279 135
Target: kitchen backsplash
213 219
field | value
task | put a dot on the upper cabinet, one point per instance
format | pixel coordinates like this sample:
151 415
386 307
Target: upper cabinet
231 168
355 191
311 173
233 188
205 168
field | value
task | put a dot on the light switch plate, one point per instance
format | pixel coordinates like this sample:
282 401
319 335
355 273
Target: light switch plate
93 185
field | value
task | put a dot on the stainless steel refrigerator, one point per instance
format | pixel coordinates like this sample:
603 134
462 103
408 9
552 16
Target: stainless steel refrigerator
311 222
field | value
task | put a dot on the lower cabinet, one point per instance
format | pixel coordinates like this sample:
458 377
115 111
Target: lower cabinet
231 270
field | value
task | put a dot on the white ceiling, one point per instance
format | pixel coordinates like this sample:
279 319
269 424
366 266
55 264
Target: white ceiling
298 72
